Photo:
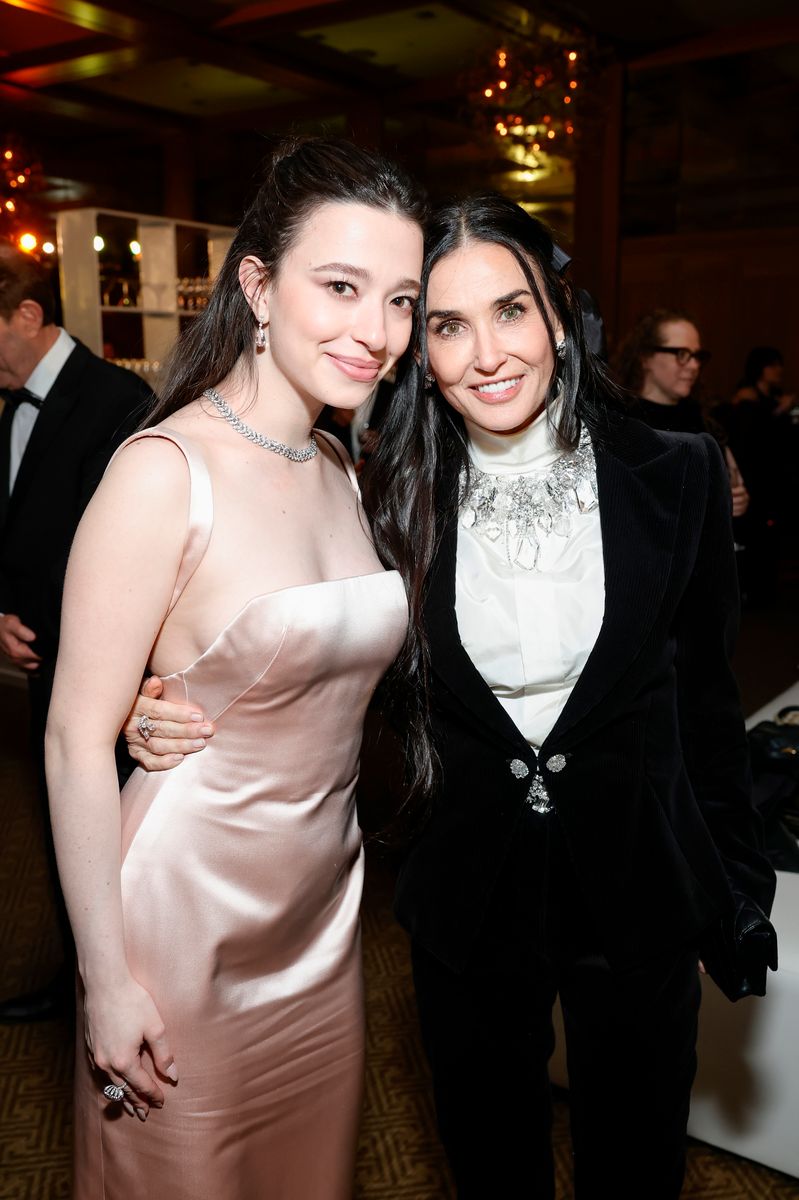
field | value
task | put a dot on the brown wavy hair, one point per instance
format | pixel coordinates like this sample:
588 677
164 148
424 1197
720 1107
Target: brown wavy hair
646 333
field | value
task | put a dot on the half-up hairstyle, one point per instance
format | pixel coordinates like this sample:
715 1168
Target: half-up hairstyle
411 483
301 175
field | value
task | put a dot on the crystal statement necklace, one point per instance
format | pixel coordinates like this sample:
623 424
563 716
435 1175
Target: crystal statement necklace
260 439
525 510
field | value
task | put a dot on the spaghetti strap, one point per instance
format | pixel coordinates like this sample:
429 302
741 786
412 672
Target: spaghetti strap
338 449
201 503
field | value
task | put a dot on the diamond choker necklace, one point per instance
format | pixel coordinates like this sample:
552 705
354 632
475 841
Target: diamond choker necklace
260 439
524 510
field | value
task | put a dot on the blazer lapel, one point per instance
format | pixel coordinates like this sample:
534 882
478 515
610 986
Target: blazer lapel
639 482
639 508
478 704
56 408
5 459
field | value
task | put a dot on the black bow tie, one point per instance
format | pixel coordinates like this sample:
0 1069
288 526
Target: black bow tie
17 396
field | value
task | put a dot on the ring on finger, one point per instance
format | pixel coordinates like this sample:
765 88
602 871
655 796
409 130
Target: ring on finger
114 1091
145 726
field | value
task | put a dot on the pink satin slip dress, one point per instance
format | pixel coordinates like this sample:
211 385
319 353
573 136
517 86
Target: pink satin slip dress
241 883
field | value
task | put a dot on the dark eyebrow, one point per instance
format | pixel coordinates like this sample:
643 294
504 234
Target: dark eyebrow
344 269
408 285
362 273
449 314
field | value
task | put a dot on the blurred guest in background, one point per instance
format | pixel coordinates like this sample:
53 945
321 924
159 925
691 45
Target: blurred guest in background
659 362
65 411
765 441
762 382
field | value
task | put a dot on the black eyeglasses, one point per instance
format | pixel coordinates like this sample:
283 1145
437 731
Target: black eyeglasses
682 354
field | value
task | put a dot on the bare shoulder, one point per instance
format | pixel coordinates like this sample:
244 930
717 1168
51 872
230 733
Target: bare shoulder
151 470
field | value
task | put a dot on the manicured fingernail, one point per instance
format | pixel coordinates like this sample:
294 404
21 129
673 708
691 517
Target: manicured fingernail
141 1113
157 1104
206 730
172 1072
128 1107
199 744
177 758
196 716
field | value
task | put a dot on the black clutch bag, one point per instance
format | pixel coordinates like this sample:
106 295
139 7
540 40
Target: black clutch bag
774 746
739 951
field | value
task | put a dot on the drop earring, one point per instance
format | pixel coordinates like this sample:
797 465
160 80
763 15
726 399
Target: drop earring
260 336
429 381
560 348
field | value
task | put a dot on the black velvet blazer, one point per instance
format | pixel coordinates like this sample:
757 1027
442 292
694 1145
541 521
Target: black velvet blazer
91 408
654 798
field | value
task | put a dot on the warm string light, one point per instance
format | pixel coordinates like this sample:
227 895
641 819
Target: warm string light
20 179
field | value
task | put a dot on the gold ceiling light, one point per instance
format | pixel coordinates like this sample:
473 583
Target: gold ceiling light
529 98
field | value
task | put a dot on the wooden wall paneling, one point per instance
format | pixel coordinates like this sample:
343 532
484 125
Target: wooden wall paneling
742 287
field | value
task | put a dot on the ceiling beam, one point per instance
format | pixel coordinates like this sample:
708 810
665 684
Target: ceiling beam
82 67
740 39
96 18
257 19
267 10
44 56
503 16
302 69
91 110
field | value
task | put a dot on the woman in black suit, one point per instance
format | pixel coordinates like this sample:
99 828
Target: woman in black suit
590 826
572 721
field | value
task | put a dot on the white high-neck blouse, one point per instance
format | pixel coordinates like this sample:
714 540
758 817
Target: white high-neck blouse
529 632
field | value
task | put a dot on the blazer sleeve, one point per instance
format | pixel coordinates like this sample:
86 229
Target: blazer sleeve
119 416
711 723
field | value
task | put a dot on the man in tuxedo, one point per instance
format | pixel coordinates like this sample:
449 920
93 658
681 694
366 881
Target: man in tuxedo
65 412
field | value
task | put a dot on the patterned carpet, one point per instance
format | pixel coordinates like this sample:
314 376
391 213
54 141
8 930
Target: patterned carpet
399 1158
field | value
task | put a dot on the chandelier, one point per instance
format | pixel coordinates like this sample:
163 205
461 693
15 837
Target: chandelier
529 97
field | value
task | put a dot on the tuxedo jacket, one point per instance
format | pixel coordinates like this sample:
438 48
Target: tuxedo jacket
647 765
92 406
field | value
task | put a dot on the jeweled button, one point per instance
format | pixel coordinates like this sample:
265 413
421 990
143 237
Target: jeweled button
556 763
519 768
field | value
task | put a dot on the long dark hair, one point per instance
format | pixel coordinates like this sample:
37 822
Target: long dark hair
301 175
411 484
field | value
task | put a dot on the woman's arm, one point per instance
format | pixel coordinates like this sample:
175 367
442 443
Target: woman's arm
119 583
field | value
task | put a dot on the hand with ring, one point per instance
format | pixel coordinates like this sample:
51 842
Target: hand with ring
159 733
127 1042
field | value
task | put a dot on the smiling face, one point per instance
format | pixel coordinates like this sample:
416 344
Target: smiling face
665 380
488 345
340 309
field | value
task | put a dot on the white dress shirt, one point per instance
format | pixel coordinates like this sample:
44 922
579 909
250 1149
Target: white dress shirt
529 632
39 383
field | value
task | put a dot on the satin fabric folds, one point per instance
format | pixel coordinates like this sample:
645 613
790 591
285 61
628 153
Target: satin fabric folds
241 883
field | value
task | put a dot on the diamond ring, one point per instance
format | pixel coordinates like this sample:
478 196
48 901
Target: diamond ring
145 727
114 1091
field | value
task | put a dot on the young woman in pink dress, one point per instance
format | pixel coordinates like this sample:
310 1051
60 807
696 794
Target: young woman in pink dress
226 551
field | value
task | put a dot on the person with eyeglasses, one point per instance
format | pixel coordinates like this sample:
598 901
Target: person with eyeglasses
659 363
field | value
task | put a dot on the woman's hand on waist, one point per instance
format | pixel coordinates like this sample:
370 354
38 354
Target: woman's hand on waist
159 733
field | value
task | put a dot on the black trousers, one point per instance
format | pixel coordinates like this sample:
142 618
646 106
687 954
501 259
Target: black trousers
488 1034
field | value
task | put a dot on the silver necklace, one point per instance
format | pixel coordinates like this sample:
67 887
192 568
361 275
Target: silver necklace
525 510
260 439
